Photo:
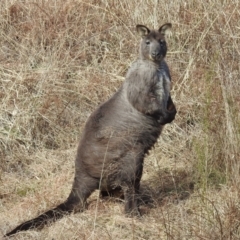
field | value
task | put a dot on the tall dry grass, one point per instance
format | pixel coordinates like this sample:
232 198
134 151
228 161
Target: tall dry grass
60 59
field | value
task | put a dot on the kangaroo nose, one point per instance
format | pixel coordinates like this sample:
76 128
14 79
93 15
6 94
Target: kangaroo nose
155 54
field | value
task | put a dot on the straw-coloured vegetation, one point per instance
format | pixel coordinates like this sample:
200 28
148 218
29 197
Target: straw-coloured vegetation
60 59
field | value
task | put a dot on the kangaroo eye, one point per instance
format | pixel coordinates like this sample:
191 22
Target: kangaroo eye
147 42
162 42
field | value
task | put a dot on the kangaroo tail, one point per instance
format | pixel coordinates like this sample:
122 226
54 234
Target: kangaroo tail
40 221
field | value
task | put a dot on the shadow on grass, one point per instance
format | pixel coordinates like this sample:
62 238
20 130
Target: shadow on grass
163 187
166 186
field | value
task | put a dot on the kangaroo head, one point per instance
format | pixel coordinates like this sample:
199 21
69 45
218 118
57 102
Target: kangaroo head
153 45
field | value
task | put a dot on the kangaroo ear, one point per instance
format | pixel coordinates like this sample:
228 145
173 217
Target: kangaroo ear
142 30
164 28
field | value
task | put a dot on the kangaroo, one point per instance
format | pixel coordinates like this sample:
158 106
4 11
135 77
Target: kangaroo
120 132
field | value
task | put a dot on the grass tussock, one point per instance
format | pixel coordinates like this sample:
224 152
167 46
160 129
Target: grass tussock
60 59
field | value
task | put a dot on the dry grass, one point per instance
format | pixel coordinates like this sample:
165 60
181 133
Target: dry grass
60 59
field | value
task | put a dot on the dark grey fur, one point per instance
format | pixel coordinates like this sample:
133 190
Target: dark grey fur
120 132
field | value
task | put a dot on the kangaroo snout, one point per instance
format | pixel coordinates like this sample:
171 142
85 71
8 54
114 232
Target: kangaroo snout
156 55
